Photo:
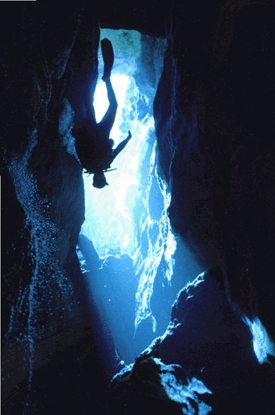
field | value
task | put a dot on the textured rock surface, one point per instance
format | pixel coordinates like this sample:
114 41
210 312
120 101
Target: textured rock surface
214 112
205 342
47 336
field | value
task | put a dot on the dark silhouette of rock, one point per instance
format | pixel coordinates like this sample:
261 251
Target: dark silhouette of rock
206 341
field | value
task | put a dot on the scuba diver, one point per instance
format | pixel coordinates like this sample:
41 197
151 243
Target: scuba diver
99 179
94 145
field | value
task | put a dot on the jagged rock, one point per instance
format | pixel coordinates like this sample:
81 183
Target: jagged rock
205 342
210 125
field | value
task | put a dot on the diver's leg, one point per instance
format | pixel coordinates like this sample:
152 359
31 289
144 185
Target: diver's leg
109 118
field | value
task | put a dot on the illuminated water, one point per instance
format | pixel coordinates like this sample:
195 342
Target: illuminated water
128 218
109 210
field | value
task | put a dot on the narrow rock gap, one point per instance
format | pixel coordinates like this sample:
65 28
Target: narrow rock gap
126 243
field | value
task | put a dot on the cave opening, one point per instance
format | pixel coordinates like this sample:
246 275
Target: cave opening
127 247
109 211
126 242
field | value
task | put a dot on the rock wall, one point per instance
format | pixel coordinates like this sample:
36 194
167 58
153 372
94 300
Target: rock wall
48 339
204 362
214 112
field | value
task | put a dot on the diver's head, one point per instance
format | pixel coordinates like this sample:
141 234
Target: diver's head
99 180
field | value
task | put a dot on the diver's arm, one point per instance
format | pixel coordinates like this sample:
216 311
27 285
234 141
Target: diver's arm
106 162
121 145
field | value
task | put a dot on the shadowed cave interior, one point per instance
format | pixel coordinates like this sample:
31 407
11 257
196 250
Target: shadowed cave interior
156 293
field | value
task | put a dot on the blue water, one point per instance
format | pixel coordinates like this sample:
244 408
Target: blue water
127 221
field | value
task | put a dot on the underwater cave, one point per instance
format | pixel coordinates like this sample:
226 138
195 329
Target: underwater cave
155 293
126 243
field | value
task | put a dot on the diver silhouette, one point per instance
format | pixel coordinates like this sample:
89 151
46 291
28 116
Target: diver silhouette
98 154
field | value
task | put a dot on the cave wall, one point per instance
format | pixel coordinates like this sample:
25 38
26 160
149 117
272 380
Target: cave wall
48 338
215 123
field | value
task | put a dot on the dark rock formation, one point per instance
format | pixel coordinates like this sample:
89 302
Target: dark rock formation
206 347
47 336
214 113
